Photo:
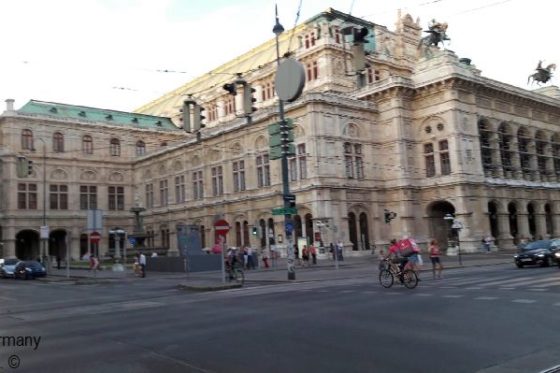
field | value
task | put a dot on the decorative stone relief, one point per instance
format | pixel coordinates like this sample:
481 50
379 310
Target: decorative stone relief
59 174
261 143
162 168
178 165
116 176
147 174
236 149
351 130
195 161
215 155
88 175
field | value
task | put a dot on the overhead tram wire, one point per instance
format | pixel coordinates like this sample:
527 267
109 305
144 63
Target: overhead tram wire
294 28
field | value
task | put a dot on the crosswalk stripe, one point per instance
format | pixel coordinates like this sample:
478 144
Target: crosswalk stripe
485 298
453 296
525 301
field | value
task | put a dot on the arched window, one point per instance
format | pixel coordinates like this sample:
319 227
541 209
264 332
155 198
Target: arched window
58 142
87 144
523 148
540 147
140 148
485 145
506 151
27 140
115 147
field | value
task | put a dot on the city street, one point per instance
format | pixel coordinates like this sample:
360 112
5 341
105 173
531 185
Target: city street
494 318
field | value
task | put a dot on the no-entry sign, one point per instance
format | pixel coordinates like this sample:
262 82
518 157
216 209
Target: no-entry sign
221 227
95 237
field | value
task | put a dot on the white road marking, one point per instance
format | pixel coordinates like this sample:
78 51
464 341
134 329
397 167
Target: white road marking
525 301
453 296
423 294
485 298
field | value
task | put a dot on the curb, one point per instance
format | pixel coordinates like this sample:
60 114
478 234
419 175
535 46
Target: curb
202 288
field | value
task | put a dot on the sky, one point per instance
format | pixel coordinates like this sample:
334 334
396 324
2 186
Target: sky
122 54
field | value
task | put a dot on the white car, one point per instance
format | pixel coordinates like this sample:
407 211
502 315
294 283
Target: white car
7 267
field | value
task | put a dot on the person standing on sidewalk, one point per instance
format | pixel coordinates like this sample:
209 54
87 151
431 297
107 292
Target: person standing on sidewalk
435 257
142 262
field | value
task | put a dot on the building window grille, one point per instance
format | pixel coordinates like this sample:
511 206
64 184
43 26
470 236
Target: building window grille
58 197
27 196
429 160
116 198
217 181
88 197
263 170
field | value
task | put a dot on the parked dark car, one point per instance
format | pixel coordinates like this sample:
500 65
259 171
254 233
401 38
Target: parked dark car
30 269
540 252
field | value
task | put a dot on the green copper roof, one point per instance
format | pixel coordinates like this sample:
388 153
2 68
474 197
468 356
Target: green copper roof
84 113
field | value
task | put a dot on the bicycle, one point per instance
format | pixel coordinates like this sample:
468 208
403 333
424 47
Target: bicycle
235 275
406 277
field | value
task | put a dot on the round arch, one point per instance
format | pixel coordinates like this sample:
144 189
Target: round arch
440 229
27 244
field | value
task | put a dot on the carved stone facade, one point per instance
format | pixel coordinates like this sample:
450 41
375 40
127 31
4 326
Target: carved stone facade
427 135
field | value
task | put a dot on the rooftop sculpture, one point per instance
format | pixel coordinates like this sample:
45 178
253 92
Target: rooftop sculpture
437 34
542 74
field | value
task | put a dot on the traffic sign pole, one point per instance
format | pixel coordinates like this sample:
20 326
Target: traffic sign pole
221 227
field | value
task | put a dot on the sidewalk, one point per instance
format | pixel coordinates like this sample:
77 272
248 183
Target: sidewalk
350 267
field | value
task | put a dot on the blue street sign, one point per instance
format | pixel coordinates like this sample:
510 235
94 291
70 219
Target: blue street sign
132 240
289 227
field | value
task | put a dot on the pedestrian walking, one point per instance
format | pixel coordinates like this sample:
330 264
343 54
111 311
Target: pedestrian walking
142 263
305 256
265 258
58 262
435 257
250 258
339 250
245 258
313 251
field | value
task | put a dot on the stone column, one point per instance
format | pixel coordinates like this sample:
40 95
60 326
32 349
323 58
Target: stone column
523 221
505 237
516 159
498 170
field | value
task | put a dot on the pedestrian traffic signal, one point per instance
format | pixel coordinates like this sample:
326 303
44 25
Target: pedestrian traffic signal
389 215
230 87
29 167
255 231
248 99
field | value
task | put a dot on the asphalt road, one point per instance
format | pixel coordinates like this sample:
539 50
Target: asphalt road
478 319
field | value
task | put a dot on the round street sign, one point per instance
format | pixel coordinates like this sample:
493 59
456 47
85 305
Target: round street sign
221 227
290 79
95 237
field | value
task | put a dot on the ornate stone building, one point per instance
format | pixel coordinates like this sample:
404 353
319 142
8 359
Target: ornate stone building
419 132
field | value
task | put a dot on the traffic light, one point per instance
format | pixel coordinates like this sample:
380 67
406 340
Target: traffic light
230 87
255 231
360 35
248 99
198 117
29 167
358 51
287 134
389 215
187 115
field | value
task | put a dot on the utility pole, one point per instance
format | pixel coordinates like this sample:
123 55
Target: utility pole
289 82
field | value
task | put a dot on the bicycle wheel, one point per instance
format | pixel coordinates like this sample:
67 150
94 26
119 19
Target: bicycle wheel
239 276
386 278
410 280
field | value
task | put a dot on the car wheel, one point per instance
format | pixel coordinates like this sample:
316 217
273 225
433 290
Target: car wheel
519 265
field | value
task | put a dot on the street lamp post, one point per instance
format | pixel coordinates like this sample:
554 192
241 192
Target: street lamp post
288 226
119 234
44 231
